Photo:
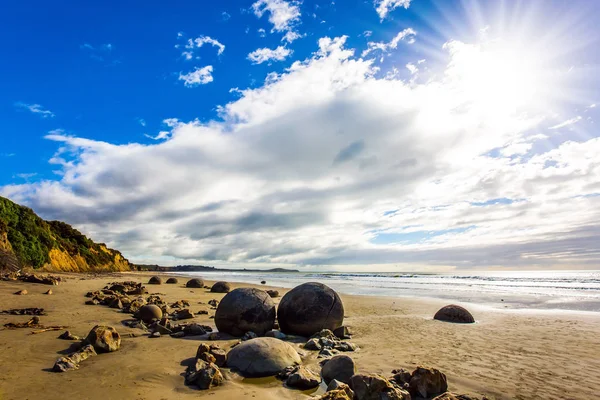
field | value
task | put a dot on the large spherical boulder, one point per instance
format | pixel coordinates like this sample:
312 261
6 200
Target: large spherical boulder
195 283
310 308
454 313
263 356
155 280
172 281
149 313
221 287
105 339
245 310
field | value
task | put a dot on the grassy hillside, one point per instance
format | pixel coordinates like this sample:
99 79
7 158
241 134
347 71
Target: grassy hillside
51 244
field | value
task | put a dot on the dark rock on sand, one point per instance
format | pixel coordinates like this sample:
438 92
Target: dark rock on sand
213 353
401 377
66 335
273 293
376 387
342 333
221 287
194 329
105 339
155 280
248 336
203 375
309 308
183 314
49 291
195 283
150 313
213 303
21 292
303 378
427 382
24 311
263 282
340 368
172 281
454 313
70 362
243 310
262 357
313 344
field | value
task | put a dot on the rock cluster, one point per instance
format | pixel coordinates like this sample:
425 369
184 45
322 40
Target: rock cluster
300 377
309 308
31 278
205 372
328 344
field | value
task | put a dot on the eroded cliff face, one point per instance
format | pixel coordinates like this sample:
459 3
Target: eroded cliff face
28 241
61 261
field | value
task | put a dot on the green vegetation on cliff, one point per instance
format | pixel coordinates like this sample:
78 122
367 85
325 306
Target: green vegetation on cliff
33 241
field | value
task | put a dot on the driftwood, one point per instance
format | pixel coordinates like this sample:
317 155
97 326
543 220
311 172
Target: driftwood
33 323
24 311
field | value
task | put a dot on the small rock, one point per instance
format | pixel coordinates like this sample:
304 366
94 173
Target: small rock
160 328
325 334
202 312
335 384
273 293
342 332
49 291
213 336
340 391
401 377
92 302
339 367
263 282
276 334
209 358
21 292
155 334
345 346
313 344
371 386
204 375
66 335
326 353
105 339
183 314
427 382
249 335
220 356
303 379
213 302
196 329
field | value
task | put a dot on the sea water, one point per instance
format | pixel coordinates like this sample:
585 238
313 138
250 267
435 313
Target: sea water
559 290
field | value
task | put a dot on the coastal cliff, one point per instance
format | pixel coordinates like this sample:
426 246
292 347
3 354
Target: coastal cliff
26 240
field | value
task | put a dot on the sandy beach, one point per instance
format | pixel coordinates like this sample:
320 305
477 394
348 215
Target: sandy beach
505 355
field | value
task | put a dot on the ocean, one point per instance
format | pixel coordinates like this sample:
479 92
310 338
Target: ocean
556 290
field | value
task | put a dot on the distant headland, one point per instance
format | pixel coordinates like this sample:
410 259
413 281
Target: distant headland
203 268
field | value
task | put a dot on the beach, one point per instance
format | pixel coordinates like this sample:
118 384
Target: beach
506 354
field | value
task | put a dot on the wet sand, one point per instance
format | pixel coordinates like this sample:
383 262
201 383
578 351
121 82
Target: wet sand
505 355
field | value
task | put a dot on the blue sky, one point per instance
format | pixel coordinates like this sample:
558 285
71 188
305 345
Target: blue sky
95 107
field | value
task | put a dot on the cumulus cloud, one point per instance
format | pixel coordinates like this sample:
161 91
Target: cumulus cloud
202 40
282 14
384 7
199 76
36 109
328 164
407 35
260 56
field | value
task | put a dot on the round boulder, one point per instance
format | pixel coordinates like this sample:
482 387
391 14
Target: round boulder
172 280
105 339
340 368
261 357
149 313
195 283
221 287
310 308
245 310
155 280
454 313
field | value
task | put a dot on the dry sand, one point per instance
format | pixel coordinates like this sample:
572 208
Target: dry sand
505 355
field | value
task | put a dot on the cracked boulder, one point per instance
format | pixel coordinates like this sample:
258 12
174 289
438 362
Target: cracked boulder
105 339
262 357
204 375
245 310
376 387
71 362
310 308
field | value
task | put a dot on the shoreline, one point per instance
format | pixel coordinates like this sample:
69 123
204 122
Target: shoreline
505 355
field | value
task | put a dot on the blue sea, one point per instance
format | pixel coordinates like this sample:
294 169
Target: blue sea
556 290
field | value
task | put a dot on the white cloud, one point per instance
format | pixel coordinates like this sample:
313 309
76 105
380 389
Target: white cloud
384 7
324 158
199 76
202 40
36 109
141 121
282 14
412 68
407 35
290 36
568 122
262 32
260 56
